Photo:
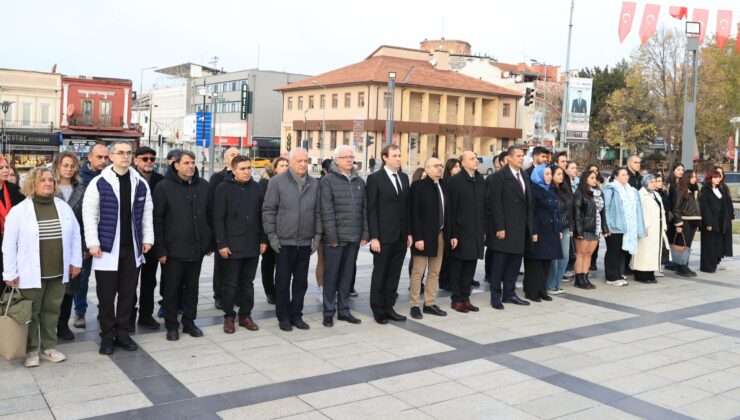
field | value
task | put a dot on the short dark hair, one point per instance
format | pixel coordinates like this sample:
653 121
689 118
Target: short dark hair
239 159
385 152
179 157
538 150
513 148
502 157
561 153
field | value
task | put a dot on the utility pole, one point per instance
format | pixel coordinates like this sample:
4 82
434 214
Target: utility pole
389 99
736 122
689 107
323 123
564 115
211 146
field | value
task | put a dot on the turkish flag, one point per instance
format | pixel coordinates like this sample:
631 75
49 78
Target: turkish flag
679 12
625 19
649 21
701 16
724 18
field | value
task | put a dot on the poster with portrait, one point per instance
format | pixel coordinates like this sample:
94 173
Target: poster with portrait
579 108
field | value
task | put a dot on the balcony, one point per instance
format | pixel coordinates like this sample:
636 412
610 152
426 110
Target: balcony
28 125
103 122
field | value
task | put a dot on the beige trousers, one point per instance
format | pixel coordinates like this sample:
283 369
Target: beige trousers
420 265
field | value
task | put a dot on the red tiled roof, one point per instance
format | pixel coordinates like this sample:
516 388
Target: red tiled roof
408 73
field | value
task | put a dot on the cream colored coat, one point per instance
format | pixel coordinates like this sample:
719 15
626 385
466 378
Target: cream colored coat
649 248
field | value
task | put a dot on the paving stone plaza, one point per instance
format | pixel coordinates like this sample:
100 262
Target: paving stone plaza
666 350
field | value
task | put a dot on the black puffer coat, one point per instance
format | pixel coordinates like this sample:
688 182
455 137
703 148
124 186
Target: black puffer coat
343 208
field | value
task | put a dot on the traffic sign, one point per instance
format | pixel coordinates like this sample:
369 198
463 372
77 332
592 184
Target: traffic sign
203 129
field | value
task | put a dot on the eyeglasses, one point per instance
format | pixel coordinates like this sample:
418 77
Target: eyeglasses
148 159
346 157
438 165
121 153
102 157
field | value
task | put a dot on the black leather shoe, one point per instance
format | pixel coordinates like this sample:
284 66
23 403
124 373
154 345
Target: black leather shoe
516 301
380 319
353 293
475 283
300 324
545 297
271 299
106 346
64 333
533 298
148 323
349 318
434 310
395 316
217 303
416 313
497 305
328 321
193 331
173 335
285 326
125 342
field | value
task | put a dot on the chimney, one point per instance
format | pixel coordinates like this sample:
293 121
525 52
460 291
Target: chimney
441 59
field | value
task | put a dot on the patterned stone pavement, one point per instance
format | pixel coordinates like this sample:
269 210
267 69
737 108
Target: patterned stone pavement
669 350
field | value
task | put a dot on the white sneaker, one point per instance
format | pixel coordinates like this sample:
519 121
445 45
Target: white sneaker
32 359
721 267
659 274
616 283
565 279
623 283
556 292
53 356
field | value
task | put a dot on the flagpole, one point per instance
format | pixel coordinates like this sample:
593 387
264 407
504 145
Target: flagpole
564 115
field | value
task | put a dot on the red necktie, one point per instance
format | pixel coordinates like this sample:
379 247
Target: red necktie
519 181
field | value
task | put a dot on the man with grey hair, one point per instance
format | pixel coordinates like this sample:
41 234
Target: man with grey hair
293 199
344 219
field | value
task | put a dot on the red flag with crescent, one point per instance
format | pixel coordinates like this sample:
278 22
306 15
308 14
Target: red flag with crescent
625 19
649 21
701 16
724 19
678 12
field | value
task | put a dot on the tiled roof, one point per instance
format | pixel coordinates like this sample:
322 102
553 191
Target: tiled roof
408 73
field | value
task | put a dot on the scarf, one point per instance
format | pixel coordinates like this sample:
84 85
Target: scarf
599 200
629 207
538 176
4 206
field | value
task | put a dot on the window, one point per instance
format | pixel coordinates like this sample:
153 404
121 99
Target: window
310 139
333 139
345 140
361 99
347 100
45 113
334 100
310 102
26 116
105 111
233 86
290 103
87 107
322 101
507 110
215 88
300 102
199 108
233 107
225 87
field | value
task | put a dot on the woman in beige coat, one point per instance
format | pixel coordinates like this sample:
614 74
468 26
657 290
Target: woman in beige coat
650 247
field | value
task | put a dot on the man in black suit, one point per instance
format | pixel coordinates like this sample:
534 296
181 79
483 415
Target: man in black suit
509 203
387 213
579 104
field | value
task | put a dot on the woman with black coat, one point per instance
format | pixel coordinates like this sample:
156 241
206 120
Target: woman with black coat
589 222
544 245
730 210
561 186
686 221
267 266
715 221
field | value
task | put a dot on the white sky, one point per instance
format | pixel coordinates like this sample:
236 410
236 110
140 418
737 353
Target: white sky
118 38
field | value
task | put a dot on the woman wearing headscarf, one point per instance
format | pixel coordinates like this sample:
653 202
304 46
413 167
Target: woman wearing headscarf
650 247
544 245
686 221
715 220
624 218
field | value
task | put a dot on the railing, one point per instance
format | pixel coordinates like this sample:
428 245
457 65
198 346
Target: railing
103 121
85 120
28 125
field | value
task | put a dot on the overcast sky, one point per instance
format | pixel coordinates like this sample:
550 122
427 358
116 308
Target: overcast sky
118 38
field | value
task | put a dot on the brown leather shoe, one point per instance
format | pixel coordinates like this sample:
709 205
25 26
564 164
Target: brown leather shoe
471 307
247 323
229 325
460 307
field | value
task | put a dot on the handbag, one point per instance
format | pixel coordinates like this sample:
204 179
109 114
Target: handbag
15 315
679 248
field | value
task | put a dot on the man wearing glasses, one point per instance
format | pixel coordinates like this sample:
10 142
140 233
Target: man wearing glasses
144 159
117 215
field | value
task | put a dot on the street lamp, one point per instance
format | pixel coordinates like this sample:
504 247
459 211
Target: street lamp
5 106
141 79
389 105
304 141
323 124
544 98
689 109
736 122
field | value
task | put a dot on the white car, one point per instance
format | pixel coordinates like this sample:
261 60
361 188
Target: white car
486 166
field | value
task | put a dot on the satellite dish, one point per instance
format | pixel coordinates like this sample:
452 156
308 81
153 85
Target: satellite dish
70 110
518 78
507 75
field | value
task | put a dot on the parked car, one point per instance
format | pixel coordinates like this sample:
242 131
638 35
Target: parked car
732 179
260 162
486 165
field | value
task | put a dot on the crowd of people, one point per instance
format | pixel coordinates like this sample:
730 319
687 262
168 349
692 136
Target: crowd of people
125 223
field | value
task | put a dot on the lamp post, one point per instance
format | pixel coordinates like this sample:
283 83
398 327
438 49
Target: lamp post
151 106
323 123
689 109
736 122
5 107
389 106
564 114
141 79
304 140
544 99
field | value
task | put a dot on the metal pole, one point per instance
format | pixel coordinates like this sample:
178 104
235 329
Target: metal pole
564 115
389 117
689 109
323 127
737 140
2 140
211 146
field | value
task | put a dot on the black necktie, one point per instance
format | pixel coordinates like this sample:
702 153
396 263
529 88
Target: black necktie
398 184
441 208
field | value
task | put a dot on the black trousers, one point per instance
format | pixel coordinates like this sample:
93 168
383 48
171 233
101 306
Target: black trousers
535 277
237 286
115 314
387 266
268 272
218 264
147 285
614 257
504 272
712 250
488 261
66 310
444 277
182 277
291 281
339 270
461 273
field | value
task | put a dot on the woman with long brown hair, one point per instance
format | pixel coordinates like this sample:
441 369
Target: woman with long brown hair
716 221
730 211
686 220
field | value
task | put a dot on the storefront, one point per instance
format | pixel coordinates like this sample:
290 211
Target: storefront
28 149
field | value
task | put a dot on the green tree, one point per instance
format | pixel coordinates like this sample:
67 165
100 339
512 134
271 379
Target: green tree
605 82
631 114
